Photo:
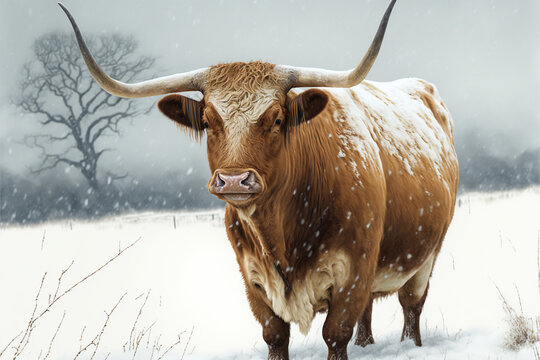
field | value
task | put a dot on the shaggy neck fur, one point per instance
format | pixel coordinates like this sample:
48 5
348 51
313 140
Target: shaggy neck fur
294 223
304 188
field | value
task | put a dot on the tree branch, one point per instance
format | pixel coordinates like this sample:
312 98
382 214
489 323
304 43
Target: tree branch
58 88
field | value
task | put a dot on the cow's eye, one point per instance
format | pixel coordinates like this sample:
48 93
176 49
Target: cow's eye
278 121
206 124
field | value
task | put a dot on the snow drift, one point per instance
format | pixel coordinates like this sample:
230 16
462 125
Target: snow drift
177 292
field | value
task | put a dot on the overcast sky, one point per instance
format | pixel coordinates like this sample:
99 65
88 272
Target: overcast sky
483 55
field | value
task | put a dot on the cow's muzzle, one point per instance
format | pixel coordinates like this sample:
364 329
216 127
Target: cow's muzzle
237 185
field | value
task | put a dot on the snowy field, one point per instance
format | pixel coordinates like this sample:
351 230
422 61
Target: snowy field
177 293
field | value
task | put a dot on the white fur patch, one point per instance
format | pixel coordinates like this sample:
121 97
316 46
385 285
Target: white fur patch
422 277
391 279
245 215
354 135
308 295
239 110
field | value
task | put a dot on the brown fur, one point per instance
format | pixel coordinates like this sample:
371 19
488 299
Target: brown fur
250 76
184 111
317 207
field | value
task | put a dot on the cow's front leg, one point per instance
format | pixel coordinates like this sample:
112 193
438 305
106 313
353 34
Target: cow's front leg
276 334
364 335
275 331
346 307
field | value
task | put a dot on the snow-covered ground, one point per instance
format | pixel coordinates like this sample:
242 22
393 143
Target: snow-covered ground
188 280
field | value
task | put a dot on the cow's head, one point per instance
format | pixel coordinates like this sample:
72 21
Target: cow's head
246 111
246 116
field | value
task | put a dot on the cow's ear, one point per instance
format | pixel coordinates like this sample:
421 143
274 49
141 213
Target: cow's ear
306 106
183 110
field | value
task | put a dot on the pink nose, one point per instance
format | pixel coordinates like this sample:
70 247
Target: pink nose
245 183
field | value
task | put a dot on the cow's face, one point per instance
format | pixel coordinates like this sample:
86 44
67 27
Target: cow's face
247 117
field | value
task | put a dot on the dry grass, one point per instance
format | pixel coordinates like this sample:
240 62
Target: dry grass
44 306
522 330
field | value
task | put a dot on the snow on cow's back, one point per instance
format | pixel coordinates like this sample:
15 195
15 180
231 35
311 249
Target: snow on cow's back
407 119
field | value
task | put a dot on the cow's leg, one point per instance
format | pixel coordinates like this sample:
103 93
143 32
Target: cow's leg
343 313
412 297
276 335
275 331
364 336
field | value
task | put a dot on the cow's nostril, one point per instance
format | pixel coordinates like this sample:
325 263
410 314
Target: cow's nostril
249 181
219 181
245 181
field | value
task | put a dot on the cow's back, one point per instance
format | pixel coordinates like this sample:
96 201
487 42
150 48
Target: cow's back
414 133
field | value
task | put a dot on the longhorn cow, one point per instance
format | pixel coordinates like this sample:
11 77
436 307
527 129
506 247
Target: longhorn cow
336 195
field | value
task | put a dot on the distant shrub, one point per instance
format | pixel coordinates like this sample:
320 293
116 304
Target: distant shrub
481 171
52 197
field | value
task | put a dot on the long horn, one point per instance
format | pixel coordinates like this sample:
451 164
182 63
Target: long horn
304 77
189 81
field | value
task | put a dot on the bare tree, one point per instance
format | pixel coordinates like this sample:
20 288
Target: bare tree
75 113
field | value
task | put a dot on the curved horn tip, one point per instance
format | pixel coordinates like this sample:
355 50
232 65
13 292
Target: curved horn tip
62 6
66 11
391 6
310 77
